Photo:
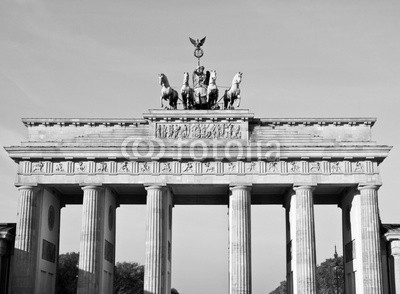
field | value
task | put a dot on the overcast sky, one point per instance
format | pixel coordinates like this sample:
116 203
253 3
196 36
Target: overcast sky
299 59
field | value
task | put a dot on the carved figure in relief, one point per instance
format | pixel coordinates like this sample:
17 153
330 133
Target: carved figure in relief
315 167
189 167
212 91
187 92
208 167
81 166
252 167
233 93
358 167
167 93
145 167
336 167
273 166
102 167
231 167
236 131
294 167
38 167
166 167
59 167
197 131
124 167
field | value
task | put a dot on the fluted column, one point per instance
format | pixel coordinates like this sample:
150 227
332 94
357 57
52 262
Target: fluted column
370 240
90 243
240 240
395 253
305 240
156 251
26 240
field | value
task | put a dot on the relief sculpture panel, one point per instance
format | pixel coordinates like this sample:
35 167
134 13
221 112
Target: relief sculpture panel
199 131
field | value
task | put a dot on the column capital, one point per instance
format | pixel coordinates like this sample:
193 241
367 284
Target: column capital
372 186
90 187
395 247
161 187
28 187
247 187
392 235
304 186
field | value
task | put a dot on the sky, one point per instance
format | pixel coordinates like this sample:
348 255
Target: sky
298 58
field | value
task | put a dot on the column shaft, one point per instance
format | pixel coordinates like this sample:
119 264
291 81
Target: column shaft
156 254
395 253
305 240
26 242
89 257
240 240
370 238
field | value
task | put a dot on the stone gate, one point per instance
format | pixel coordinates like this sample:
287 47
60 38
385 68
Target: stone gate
175 157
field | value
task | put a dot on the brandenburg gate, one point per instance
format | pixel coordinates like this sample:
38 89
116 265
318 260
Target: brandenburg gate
176 157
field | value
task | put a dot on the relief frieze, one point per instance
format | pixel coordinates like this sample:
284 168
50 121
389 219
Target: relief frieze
199 131
281 167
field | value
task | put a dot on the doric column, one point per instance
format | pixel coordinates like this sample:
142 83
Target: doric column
155 281
370 240
305 240
395 253
26 240
90 248
240 240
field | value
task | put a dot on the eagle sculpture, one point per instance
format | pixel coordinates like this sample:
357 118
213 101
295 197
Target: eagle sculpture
197 43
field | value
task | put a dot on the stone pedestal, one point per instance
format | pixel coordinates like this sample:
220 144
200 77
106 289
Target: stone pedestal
301 241
370 240
157 277
240 240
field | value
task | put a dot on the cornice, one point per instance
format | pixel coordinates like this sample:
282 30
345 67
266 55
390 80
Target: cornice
82 121
351 121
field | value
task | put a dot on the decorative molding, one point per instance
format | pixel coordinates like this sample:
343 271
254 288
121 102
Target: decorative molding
241 167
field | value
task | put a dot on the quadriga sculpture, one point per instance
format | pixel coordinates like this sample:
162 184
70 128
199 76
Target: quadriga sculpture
167 93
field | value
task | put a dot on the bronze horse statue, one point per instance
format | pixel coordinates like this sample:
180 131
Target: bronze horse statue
233 93
187 93
212 91
167 93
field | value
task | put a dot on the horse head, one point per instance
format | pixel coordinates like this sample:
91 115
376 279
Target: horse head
237 78
213 75
185 77
163 80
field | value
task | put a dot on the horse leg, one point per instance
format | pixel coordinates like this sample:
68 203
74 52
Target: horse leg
226 99
175 97
231 103
184 100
